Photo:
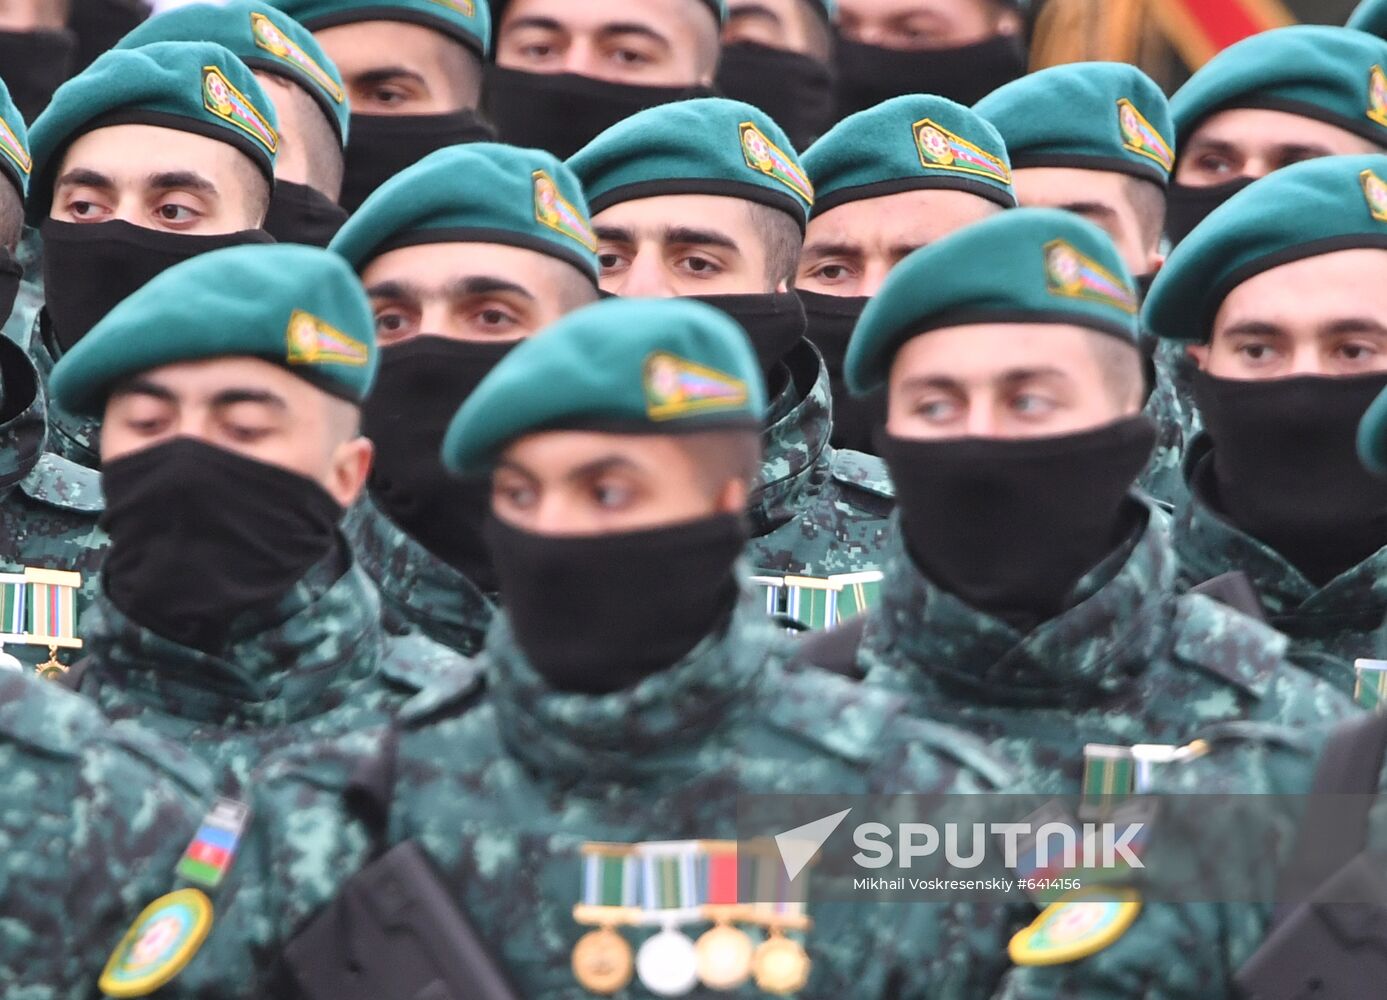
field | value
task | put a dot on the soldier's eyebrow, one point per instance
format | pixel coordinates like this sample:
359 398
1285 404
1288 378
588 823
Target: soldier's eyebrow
1016 376
918 382
394 290
263 397
631 28
1251 328
384 74
143 387
754 11
487 285
83 177
181 180
598 466
542 23
1296 151
1353 324
688 236
615 234
1089 208
839 249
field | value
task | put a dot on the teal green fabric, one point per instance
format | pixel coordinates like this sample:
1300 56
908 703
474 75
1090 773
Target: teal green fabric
190 86
1311 208
1092 115
661 365
1372 436
297 306
705 146
1029 265
264 38
909 143
479 193
14 143
1333 75
1370 16
469 21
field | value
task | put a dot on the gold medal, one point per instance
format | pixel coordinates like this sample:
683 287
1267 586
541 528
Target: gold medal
724 957
781 965
602 961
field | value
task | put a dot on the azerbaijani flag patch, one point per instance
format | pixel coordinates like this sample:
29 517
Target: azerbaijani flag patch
1140 136
1071 274
675 387
315 342
552 209
941 149
268 37
767 158
230 105
14 150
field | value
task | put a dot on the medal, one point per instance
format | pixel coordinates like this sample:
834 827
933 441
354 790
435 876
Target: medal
1370 688
39 607
602 961
779 964
667 964
724 952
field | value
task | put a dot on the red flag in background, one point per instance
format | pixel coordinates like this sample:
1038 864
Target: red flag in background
1200 28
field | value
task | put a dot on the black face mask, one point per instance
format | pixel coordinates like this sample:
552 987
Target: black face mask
774 322
200 536
36 63
1010 526
380 146
89 267
11 274
794 89
1187 207
1286 470
563 112
599 613
420 385
302 214
869 74
832 318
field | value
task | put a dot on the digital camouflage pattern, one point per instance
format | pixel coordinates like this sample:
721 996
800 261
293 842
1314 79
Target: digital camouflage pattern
92 823
29 299
816 511
503 791
1329 627
417 589
1171 409
1130 662
321 665
1191 951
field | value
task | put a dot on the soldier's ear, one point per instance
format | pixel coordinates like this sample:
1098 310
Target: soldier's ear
733 498
351 464
1200 353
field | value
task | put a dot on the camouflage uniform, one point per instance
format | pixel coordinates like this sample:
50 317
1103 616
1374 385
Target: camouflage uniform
817 511
1329 627
92 823
1172 410
323 667
417 589
503 792
29 299
1130 662
1191 951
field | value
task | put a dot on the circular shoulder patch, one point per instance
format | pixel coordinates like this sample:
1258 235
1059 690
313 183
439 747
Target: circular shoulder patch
158 945
1076 926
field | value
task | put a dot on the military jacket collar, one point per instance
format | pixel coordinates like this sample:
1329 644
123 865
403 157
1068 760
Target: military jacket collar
1118 618
327 639
73 437
417 587
795 441
648 730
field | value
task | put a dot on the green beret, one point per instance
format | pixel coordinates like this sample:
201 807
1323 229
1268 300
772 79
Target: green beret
478 193
1370 16
1372 436
468 21
1333 75
1304 210
296 306
14 143
1095 115
1029 265
906 144
705 146
261 36
664 366
190 86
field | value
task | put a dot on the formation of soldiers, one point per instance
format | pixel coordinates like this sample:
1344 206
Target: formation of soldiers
453 453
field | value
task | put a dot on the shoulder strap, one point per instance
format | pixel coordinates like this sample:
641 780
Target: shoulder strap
1329 838
834 650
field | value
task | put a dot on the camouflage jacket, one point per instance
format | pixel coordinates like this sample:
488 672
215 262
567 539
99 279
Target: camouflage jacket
49 504
503 792
325 667
1329 627
1192 950
29 299
816 511
92 823
417 588
1169 407
1130 662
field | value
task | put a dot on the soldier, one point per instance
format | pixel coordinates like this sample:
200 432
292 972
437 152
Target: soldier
309 99
778 56
74 875
413 72
565 72
635 690
1281 313
1029 595
458 274
151 156
37 51
1271 100
1095 139
231 616
706 199
887 181
959 49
